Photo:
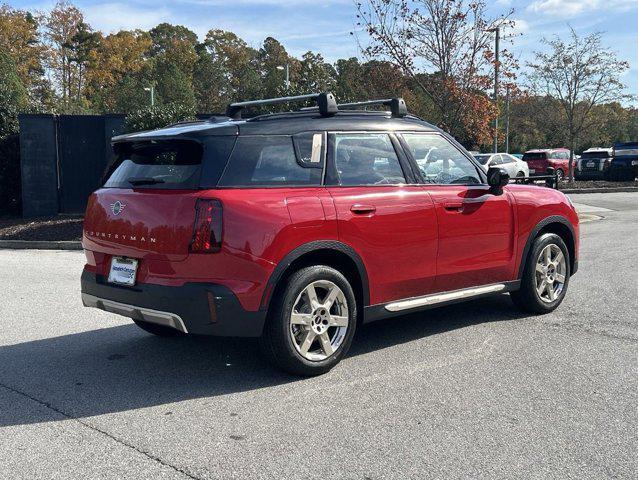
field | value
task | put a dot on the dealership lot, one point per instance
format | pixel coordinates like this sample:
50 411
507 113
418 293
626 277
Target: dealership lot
474 390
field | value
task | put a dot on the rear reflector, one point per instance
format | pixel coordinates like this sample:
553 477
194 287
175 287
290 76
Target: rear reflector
207 234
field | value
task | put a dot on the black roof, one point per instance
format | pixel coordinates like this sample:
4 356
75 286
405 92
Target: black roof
288 123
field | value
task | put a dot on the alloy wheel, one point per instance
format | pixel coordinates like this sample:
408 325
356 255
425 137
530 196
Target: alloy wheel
551 271
319 320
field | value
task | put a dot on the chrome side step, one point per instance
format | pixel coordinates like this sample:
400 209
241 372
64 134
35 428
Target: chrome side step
166 319
444 297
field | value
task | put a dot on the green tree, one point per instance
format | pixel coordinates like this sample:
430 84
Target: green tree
13 96
580 73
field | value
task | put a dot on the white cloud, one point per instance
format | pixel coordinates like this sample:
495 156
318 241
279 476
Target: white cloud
110 17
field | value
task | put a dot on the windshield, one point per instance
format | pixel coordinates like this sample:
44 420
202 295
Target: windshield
482 159
165 164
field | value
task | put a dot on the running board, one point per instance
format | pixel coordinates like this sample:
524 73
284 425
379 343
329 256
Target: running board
444 297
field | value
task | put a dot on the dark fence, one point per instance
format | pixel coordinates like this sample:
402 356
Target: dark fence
62 160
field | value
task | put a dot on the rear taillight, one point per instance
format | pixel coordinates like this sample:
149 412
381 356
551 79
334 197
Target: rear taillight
207 234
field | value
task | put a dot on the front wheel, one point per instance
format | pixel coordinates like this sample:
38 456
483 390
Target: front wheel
545 276
312 323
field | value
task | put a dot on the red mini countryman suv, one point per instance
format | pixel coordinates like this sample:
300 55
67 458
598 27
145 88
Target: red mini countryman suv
298 227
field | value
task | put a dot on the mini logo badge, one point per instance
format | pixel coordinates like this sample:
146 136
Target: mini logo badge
117 207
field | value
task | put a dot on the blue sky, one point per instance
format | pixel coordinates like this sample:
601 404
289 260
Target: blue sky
324 25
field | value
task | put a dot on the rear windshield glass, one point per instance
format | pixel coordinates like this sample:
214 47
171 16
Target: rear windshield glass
600 154
535 156
174 164
271 161
626 151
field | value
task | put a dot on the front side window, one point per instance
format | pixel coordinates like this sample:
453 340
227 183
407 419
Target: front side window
367 159
260 161
439 161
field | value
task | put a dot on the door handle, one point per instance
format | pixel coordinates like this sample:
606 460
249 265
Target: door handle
363 209
453 206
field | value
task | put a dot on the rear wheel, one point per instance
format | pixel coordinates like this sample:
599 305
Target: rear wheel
560 175
312 323
545 276
159 330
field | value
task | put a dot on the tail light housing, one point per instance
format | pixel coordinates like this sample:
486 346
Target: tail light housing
207 232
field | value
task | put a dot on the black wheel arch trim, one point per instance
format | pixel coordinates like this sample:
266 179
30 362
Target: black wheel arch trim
318 245
573 263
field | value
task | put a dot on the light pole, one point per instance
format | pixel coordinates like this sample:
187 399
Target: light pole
497 41
152 90
286 68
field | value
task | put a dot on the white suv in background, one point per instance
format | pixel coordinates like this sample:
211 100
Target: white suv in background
514 166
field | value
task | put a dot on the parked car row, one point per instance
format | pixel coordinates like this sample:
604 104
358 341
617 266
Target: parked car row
619 163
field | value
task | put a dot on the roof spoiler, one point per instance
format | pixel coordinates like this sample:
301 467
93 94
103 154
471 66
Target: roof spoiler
326 103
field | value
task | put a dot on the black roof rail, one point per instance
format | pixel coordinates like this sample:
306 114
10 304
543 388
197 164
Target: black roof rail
326 103
398 108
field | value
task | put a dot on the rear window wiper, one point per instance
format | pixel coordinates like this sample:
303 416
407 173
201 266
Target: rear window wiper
135 181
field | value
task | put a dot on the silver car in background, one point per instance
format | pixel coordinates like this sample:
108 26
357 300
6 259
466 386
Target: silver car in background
514 166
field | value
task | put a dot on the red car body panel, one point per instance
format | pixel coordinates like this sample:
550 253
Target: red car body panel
413 240
476 236
395 234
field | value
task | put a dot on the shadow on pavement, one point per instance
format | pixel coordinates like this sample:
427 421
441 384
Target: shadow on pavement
122 368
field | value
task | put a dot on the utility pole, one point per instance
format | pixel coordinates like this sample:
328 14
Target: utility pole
497 48
507 120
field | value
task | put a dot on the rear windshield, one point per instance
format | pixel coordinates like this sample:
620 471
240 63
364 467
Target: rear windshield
626 151
600 154
174 164
535 156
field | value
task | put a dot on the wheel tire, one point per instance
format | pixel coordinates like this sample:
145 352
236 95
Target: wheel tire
561 175
520 174
277 342
527 297
159 330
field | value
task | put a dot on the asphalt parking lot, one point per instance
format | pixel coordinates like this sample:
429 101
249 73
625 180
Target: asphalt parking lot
473 390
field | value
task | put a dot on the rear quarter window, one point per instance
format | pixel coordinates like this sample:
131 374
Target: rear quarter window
173 164
271 161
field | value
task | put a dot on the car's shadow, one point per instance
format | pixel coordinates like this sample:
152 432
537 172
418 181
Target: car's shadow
122 368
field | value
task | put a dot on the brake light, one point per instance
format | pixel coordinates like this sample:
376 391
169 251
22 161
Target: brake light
207 232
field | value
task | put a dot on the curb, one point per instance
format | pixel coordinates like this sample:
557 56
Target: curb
39 245
573 191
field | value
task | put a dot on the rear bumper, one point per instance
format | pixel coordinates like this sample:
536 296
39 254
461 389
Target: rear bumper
195 308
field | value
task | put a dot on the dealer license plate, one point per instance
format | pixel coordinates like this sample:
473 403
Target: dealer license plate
531 170
123 271
591 165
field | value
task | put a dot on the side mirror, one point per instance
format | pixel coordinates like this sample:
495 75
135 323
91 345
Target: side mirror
497 178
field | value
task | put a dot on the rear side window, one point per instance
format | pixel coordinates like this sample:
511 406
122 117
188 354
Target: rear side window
171 164
259 161
367 159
